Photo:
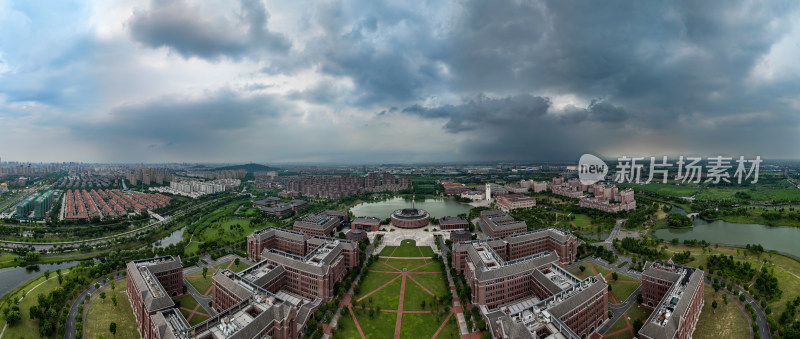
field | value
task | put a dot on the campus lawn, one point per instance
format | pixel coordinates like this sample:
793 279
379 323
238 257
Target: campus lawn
582 220
427 251
419 325
346 327
373 281
102 313
430 266
198 318
726 322
408 248
414 297
201 284
638 312
450 331
387 251
186 301
622 290
577 271
619 323
436 283
381 266
408 264
233 267
600 269
380 326
27 328
386 298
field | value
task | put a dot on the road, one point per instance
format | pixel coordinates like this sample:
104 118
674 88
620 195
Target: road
73 310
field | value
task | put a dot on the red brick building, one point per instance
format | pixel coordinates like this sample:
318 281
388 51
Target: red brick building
496 223
521 245
322 223
453 223
675 293
368 224
150 285
513 201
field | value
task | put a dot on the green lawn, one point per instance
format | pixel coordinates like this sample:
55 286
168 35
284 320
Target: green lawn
727 321
436 283
450 331
198 318
431 266
346 327
186 301
758 193
405 263
582 220
380 326
27 328
670 190
420 325
408 248
101 313
201 284
375 280
236 268
386 298
414 297
387 251
381 266
622 291
427 251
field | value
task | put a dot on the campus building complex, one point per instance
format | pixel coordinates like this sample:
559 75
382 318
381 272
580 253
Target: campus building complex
514 201
599 196
453 223
522 291
322 223
496 223
295 274
675 293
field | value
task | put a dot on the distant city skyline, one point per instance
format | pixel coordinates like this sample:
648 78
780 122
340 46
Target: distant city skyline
364 82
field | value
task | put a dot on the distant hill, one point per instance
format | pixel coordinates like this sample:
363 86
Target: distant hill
249 168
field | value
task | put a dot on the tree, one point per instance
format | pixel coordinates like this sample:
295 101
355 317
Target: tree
103 296
114 300
205 272
113 286
46 274
614 276
236 261
714 305
113 328
582 268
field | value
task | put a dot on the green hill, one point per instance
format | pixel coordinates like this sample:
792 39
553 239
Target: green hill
251 167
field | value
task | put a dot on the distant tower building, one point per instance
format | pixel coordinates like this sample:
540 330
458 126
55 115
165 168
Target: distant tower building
489 191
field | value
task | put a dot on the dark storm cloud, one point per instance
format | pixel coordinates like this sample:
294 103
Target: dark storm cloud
187 30
216 118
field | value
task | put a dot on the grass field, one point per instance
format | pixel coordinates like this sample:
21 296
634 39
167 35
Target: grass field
380 326
405 263
634 312
409 248
419 325
622 290
233 267
728 321
102 313
758 193
787 269
375 280
450 331
220 225
201 284
415 296
387 251
672 190
386 298
346 327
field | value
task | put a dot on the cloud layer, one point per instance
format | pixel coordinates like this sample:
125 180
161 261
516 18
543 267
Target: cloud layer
366 81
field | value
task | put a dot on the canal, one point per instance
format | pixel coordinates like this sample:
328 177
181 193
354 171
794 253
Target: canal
437 207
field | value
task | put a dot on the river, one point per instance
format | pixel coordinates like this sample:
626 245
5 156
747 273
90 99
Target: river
12 277
437 207
784 239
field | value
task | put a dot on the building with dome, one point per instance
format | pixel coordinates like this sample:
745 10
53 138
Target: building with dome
410 217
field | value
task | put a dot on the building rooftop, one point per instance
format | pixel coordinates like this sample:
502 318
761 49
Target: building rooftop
663 322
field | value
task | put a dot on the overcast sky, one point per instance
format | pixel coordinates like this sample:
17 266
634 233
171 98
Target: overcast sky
407 81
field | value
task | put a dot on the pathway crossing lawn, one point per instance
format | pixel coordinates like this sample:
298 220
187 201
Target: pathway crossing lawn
387 251
450 331
419 325
582 220
635 312
201 284
345 327
414 296
373 281
187 301
432 266
380 326
408 248
27 328
727 322
435 283
621 290
198 318
102 313
600 269
427 251
405 263
236 268
386 298
380 266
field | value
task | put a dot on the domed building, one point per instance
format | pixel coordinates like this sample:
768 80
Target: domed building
410 217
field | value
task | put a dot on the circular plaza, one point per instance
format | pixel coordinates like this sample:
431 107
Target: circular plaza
410 218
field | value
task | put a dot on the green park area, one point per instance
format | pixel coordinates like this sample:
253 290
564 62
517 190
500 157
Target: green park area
231 265
27 295
624 325
621 287
379 295
201 283
726 321
191 310
102 313
220 226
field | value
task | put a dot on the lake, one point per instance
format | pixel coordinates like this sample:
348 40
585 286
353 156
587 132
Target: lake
12 277
784 239
437 208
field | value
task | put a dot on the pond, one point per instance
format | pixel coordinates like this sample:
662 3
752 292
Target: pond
171 239
12 277
783 239
437 208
